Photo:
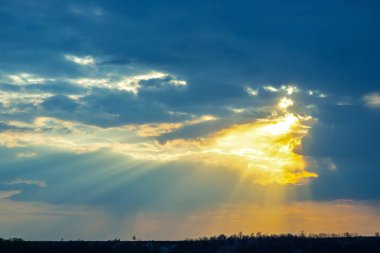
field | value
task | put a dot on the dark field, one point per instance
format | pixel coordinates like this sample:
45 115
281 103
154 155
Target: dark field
220 244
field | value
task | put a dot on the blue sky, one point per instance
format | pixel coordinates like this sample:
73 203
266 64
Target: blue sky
171 120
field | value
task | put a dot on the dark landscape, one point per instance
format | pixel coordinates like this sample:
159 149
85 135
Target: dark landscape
236 243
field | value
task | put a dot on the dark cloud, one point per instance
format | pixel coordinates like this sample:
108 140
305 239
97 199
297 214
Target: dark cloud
60 102
329 45
344 131
106 108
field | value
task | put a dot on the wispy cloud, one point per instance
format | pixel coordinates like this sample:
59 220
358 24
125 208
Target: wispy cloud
27 154
85 61
19 181
87 11
8 194
270 88
25 78
251 91
130 83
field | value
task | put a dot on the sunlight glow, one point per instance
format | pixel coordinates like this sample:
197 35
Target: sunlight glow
265 149
285 103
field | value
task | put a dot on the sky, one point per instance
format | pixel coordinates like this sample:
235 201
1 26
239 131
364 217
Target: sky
179 119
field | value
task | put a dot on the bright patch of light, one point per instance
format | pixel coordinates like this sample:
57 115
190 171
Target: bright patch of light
285 103
202 119
150 75
270 88
237 110
76 97
282 126
316 93
290 89
264 149
178 82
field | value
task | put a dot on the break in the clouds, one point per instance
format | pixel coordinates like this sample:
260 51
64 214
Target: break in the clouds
130 113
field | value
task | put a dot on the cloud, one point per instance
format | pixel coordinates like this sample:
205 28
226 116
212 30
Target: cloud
17 102
8 194
25 79
133 83
285 103
264 147
372 100
59 102
27 154
290 89
270 88
87 11
150 130
19 181
251 91
85 61
62 96
71 126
